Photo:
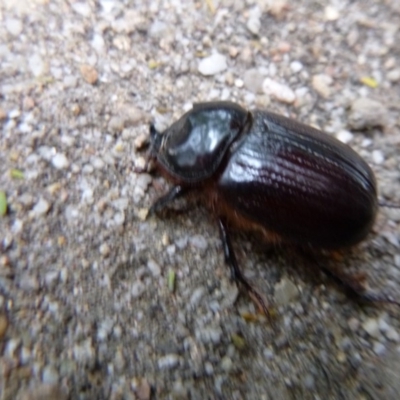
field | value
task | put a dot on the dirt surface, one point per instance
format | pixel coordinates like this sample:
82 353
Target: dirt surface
85 308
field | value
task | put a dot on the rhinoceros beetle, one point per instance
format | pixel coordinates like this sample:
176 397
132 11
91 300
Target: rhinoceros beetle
261 171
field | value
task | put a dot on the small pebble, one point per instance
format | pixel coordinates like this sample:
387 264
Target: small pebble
3 114
321 84
14 26
285 292
116 124
367 113
371 326
394 75
296 66
153 267
28 282
199 242
378 157
105 250
212 65
143 390
168 362
254 25
158 29
37 65
60 161
354 324
392 335
379 348
137 289
89 74
140 141
209 335
50 375
10 348
226 364
331 13
196 296
344 136
279 91
41 207
253 80
82 8
84 352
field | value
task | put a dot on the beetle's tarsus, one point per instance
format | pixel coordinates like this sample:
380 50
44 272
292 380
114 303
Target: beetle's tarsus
162 202
236 274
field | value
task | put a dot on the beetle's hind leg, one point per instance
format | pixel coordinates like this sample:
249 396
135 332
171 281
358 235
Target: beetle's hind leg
355 285
236 274
162 202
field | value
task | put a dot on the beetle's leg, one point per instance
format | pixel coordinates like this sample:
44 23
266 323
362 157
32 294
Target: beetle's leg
174 193
354 285
236 274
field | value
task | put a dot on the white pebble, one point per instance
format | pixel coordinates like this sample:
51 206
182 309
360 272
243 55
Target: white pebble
377 157
371 326
41 207
81 8
13 114
239 83
14 26
50 375
379 348
197 296
344 136
153 267
199 242
331 13
60 161
98 43
97 162
168 361
392 335
254 25
278 90
36 65
296 66
209 335
137 289
11 347
213 64
105 328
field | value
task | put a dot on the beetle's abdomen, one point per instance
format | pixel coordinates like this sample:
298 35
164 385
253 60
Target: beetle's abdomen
299 183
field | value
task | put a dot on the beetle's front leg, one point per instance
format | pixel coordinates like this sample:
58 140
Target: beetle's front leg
236 274
174 193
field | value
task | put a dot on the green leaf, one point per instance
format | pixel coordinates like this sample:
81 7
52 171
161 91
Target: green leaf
3 203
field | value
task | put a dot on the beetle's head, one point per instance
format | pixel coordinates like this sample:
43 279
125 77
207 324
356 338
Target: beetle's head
192 148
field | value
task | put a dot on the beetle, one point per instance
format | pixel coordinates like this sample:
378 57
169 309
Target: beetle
265 172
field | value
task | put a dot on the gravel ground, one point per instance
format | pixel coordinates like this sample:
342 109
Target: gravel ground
85 308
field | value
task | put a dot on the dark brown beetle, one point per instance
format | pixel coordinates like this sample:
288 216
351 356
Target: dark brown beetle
265 172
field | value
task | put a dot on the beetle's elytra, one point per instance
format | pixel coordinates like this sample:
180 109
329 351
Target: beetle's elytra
263 171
